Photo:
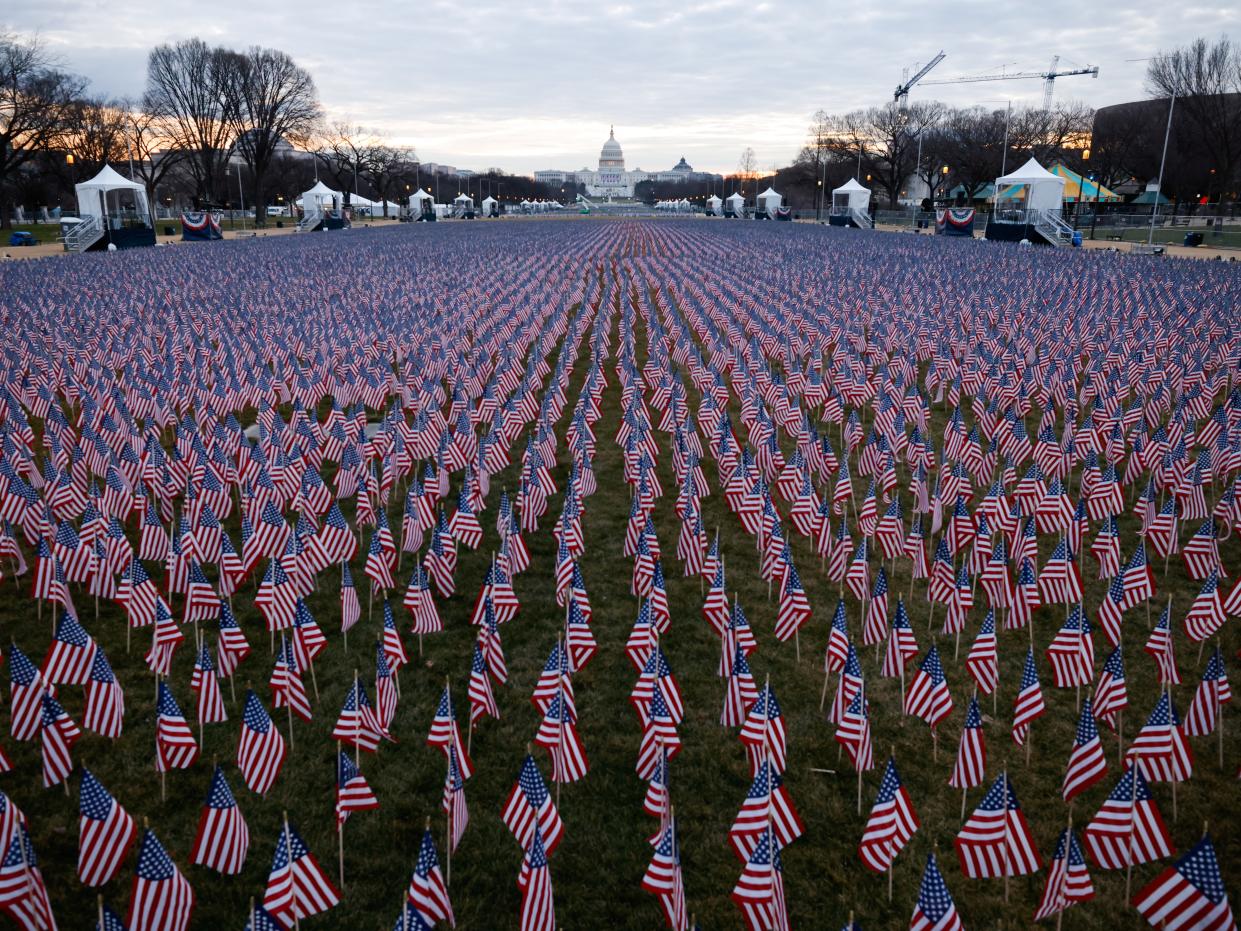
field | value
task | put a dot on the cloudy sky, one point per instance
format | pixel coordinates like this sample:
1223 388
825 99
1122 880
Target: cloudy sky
523 85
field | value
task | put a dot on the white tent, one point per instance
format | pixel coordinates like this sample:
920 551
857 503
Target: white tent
713 205
769 201
463 200
320 199
736 203
490 205
129 200
416 200
850 196
1033 185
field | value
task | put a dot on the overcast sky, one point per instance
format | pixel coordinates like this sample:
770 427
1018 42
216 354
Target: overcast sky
522 85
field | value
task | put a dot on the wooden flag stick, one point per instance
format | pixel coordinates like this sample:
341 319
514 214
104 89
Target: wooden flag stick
288 847
340 821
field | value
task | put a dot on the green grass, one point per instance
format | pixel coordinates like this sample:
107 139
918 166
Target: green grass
1229 239
597 870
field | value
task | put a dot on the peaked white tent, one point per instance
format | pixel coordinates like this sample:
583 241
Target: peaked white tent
735 203
769 202
490 206
850 196
416 200
1033 186
319 200
126 206
713 205
463 200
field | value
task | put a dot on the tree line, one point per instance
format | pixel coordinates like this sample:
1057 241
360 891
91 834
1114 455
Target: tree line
214 127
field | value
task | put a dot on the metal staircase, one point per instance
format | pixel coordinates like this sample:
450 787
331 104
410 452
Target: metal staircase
309 222
861 218
84 234
1052 228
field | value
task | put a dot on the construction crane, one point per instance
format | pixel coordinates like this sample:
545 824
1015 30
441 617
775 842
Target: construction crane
902 91
1048 78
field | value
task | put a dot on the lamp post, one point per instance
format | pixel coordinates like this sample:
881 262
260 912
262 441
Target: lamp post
1150 236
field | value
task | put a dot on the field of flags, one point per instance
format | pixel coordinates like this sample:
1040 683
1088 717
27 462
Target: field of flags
628 574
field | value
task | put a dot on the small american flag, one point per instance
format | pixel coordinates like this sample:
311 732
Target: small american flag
1189 895
935 910
223 838
260 749
162 897
427 897
106 832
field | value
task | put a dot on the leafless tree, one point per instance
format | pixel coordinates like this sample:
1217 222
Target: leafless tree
886 138
269 101
1204 78
345 151
155 152
185 84
386 167
36 108
96 133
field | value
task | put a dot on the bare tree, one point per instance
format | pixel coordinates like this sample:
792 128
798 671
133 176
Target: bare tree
886 139
36 108
1203 78
386 167
96 134
345 152
155 151
270 101
185 84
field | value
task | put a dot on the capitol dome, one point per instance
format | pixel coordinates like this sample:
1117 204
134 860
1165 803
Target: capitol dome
611 158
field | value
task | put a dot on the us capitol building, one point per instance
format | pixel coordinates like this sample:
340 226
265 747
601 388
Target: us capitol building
611 179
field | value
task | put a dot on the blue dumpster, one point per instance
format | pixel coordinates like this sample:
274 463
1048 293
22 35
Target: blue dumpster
21 238
1077 238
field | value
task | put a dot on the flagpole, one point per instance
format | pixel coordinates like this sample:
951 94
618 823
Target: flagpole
1133 803
1007 853
340 820
288 697
288 846
451 793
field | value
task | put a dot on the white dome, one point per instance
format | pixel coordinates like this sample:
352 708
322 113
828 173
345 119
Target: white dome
611 149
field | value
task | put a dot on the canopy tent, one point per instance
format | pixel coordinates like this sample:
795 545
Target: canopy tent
464 200
1033 184
319 200
1077 187
417 198
713 206
127 207
769 202
734 203
491 206
1148 198
850 196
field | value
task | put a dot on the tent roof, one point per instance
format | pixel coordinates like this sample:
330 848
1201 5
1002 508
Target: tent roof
489 200
734 196
321 188
1148 197
1077 186
770 192
420 194
1030 172
109 180
850 185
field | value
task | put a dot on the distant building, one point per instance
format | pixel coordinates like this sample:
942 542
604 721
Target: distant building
611 179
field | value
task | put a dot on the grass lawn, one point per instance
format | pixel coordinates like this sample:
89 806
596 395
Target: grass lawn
597 870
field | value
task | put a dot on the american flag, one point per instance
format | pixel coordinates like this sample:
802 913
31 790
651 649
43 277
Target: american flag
1160 748
105 701
23 893
353 792
876 624
27 688
663 877
935 910
207 685
260 749
71 655
996 840
767 804
453 802
1071 652
57 734
1068 881
1213 692
162 898
106 832
175 747
558 735
1206 615
763 732
928 697
1110 695
853 733
350 609
759 892
1128 829
223 838
297 887
445 733
902 646
891 824
1029 704
529 803
1087 764
1189 895
428 893
982 662
358 724
971 762
538 911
